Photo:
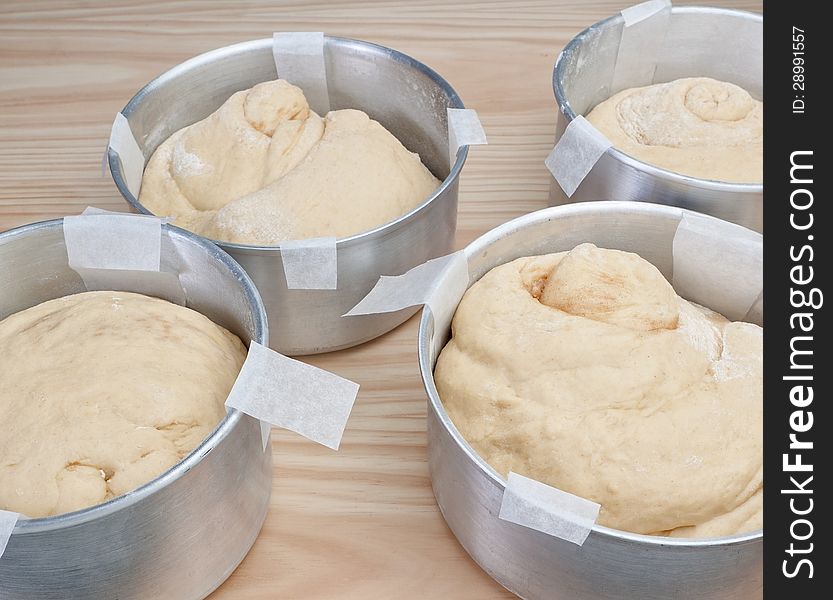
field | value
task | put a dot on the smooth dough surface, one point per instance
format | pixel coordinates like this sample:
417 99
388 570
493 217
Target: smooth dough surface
102 392
584 370
696 126
264 168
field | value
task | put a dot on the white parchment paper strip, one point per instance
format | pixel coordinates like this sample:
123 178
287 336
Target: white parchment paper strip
7 522
265 433
310 264
756 313
738 57
451 284
94 210
464 129
130 154
420 285
581 147
439 284
538 506
113 241
726 276
120 251
293 395
299 59
640 12
643 35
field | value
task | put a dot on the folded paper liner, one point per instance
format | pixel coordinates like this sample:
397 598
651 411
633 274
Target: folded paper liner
439 284
535 505
643 36
575 154
121 252
310 264
294 395
727 277
299 59
704 271
464 129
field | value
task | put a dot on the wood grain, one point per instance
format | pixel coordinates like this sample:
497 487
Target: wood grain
360 523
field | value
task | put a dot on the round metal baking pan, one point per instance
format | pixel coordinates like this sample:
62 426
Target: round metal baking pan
404 95
182 534
611 564
705 44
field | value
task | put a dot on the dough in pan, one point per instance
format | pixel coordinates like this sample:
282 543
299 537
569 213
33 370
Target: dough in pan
264 168
102 392
697 126
584 370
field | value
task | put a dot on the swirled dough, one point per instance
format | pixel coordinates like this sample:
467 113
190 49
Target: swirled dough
264 168
584 370
697 126
102 392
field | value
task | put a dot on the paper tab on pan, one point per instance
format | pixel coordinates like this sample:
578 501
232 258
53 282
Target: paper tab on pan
310 264
294 395
265 433
299 59
756 313
123 143
581 147
464 129
643 35
121 252
7 522
538 506
718 264
438 283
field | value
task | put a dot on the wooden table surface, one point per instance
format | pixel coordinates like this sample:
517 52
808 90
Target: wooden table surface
361 522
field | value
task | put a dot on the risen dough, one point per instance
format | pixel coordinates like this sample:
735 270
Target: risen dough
264 168
584 370
102 392
697 126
